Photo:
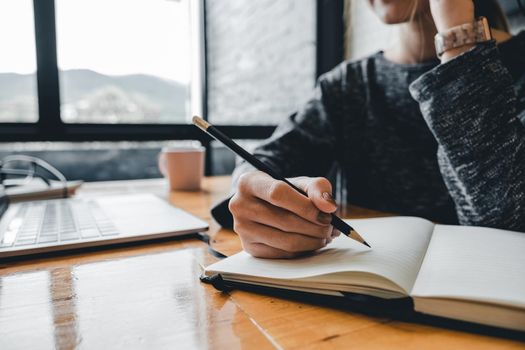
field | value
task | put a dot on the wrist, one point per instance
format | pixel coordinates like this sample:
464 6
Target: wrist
459 39
452 53
448 23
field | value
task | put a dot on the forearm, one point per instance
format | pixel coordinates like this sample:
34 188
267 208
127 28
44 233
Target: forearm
470 106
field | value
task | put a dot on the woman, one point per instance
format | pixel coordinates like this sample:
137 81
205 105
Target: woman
412 134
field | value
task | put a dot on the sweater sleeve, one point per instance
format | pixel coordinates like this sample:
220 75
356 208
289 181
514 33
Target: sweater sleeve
471 107
302 145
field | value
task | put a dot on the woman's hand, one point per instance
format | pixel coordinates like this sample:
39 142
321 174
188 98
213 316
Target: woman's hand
275 221
452 13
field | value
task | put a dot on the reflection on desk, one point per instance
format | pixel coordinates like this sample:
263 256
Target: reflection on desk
149 296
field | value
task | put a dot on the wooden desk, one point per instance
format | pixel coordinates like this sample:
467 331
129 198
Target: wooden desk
149 296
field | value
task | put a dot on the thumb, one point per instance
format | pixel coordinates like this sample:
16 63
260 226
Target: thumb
319 191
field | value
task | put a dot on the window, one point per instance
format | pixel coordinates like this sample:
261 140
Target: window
18 92
135 70
261 59
123 61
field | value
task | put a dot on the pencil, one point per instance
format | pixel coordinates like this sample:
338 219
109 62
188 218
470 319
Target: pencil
339 224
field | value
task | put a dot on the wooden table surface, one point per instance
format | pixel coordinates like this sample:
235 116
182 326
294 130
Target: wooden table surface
149 296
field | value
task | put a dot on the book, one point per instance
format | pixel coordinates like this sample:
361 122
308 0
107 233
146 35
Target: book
473 274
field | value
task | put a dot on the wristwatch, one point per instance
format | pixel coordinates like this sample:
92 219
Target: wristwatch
465 34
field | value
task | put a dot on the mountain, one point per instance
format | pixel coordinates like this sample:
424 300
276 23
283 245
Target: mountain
14 85
91 97
18 101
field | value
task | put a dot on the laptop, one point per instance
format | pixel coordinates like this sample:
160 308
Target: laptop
70 223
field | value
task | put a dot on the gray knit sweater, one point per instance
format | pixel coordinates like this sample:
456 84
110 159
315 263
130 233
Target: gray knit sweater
441 141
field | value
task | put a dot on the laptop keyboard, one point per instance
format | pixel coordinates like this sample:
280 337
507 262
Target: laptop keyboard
56 221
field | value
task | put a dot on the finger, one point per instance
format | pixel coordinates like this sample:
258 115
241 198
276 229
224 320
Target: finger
280 194
287 241
319 191
336 233
260 250
267 214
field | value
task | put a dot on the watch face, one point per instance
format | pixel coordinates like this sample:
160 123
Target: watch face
484 28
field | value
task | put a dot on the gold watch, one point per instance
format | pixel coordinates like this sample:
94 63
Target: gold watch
465 34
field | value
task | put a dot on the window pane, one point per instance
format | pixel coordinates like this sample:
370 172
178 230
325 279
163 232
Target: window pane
261 58
124 61
18 92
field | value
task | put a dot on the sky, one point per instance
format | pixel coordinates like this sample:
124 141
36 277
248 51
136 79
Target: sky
113 37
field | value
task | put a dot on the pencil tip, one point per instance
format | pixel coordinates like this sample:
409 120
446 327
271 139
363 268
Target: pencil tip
368 245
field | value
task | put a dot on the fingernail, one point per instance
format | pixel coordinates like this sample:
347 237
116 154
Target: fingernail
336 233
328 197
324 218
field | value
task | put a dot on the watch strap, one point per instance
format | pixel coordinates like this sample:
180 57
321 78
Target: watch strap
465 34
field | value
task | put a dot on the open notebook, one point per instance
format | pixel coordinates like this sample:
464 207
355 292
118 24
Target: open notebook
472 274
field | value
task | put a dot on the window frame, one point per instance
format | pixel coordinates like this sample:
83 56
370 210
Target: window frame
50 127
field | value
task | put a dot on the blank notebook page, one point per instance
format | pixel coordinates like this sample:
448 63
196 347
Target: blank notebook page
479 264
398 247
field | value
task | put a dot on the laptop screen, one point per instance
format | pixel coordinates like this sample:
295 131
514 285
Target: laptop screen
4 202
